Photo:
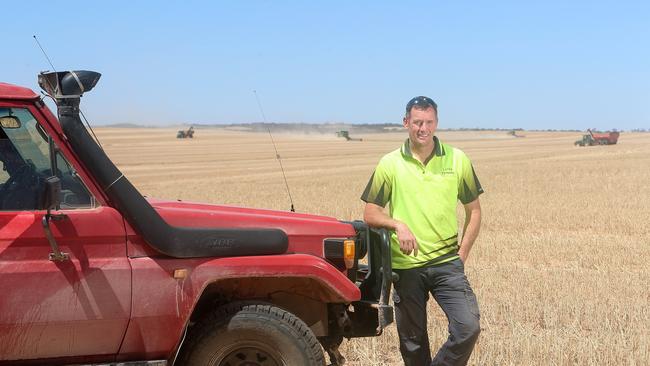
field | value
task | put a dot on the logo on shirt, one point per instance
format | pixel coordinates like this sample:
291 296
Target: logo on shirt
447 171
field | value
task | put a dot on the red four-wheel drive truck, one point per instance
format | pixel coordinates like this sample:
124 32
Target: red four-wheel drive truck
91 272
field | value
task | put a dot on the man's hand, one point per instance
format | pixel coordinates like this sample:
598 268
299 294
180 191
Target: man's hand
472 227
375 216
407 241
463 254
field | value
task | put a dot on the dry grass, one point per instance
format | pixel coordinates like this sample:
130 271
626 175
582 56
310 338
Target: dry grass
561 265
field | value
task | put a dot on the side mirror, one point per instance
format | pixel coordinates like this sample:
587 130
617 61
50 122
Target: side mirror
9 122
52 195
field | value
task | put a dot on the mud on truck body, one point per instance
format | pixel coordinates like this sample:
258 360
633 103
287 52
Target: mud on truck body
93 272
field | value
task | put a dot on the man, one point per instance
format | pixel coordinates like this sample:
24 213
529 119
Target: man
423 181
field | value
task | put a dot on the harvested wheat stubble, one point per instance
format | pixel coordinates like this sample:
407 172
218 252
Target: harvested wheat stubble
560 267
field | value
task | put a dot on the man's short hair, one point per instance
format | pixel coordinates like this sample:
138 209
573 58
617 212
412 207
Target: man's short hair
421 102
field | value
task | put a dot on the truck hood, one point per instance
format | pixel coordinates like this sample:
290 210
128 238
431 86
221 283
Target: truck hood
305 232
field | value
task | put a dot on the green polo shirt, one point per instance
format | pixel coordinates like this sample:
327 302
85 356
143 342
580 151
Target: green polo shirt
424 197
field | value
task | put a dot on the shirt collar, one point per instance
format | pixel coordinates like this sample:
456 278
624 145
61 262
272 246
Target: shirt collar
438 150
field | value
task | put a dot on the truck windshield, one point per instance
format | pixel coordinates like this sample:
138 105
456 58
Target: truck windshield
24 153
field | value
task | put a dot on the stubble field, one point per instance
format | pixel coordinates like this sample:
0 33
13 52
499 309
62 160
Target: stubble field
561 264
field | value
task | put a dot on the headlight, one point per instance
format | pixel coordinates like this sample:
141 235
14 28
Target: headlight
340 252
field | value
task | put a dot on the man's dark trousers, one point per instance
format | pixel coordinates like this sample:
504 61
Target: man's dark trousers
449 286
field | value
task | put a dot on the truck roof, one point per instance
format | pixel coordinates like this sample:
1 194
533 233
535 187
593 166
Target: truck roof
10 91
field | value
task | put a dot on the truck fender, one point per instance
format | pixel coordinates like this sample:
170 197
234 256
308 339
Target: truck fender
159 320
295 275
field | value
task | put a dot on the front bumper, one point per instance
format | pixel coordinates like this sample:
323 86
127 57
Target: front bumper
371 314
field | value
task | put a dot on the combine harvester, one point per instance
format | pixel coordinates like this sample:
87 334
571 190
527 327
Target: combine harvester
591 139
186 134
513 133
346 135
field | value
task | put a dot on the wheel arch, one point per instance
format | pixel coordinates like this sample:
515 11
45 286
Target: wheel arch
307 298
301 284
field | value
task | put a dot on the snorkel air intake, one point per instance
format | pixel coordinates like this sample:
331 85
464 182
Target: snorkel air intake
66 89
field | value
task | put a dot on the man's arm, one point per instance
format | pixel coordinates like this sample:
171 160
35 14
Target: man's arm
375 216
472 227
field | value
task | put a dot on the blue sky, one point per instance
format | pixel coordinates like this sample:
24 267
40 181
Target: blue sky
506 64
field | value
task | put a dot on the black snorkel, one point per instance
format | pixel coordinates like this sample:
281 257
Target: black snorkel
66 88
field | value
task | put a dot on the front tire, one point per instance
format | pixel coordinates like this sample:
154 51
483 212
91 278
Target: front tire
252 334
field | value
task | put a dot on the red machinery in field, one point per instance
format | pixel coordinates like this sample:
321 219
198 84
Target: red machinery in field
591 139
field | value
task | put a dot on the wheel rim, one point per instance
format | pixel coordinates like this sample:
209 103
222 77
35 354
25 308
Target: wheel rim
249 355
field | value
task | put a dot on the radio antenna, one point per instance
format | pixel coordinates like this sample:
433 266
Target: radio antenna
54 69
274 148
44 53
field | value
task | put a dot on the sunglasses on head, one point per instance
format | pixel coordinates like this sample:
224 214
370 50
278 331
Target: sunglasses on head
421 101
